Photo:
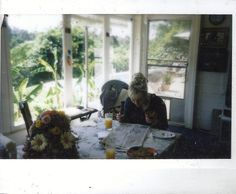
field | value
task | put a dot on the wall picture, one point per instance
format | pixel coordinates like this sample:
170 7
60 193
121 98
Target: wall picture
214 38
213 52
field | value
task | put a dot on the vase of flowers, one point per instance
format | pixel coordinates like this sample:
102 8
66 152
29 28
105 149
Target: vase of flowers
51 137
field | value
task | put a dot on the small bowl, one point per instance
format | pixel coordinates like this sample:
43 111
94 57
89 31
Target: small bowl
138 152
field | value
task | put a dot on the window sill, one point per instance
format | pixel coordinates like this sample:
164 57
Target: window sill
15 129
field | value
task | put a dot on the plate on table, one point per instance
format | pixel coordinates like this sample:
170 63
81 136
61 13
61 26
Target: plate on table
138 152
163 134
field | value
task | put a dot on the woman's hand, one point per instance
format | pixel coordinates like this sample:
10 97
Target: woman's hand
151 117
119 117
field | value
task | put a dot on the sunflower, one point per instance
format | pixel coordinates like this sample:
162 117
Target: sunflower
39 143
67 140
55 131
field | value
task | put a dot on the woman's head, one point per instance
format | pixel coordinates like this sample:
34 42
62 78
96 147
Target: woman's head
138 89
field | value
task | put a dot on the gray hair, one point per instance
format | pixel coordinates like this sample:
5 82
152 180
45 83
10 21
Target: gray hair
138 85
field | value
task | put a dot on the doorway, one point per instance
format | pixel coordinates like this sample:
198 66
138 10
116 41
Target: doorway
169 62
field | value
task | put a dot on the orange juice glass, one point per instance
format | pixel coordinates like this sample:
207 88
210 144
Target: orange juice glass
110 153
108 121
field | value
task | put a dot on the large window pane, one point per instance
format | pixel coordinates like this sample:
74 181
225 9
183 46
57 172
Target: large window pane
36 62
95 62
166 81
168 48
120 34
168 42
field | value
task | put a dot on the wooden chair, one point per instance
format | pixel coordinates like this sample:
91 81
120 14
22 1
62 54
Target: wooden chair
24 108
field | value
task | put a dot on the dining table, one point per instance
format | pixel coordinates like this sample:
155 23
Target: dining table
91 135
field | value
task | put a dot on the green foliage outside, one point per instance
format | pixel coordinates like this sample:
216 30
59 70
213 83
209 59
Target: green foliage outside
23 92
37 69
121 53
165 45
39 59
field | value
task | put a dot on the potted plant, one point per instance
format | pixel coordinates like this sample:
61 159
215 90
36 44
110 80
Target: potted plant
167 80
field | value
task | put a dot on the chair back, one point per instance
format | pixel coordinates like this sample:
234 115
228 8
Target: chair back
111 91
24 108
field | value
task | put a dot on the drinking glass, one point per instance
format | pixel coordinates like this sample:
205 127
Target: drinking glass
108 121
110 153
110 150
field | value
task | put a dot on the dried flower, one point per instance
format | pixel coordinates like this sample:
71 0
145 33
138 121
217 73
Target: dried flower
51 137
38 123
67 140
56 131
61 113
39 142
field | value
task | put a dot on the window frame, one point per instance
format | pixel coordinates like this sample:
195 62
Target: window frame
154 19
189 95
138 57
7 124
66 42
107 65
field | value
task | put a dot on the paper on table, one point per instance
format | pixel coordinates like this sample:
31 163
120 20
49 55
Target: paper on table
102 134
127 135
89 123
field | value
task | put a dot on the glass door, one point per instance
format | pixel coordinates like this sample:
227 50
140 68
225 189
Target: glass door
167 62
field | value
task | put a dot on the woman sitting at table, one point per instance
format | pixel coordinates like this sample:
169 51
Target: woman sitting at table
143 108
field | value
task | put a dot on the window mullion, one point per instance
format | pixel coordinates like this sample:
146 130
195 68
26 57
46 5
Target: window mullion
131 54
86 65
67 61
106 48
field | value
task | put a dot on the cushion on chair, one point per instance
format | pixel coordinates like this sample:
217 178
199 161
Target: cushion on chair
110 93
122 97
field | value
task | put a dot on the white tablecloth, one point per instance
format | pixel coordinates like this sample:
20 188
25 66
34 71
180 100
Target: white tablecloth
90 148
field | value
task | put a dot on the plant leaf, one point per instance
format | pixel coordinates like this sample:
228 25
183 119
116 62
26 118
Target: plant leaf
22 88
34 92
48 67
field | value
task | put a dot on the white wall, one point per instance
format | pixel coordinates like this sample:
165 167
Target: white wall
210 94
210 88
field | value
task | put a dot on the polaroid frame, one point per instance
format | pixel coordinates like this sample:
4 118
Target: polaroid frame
99 176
